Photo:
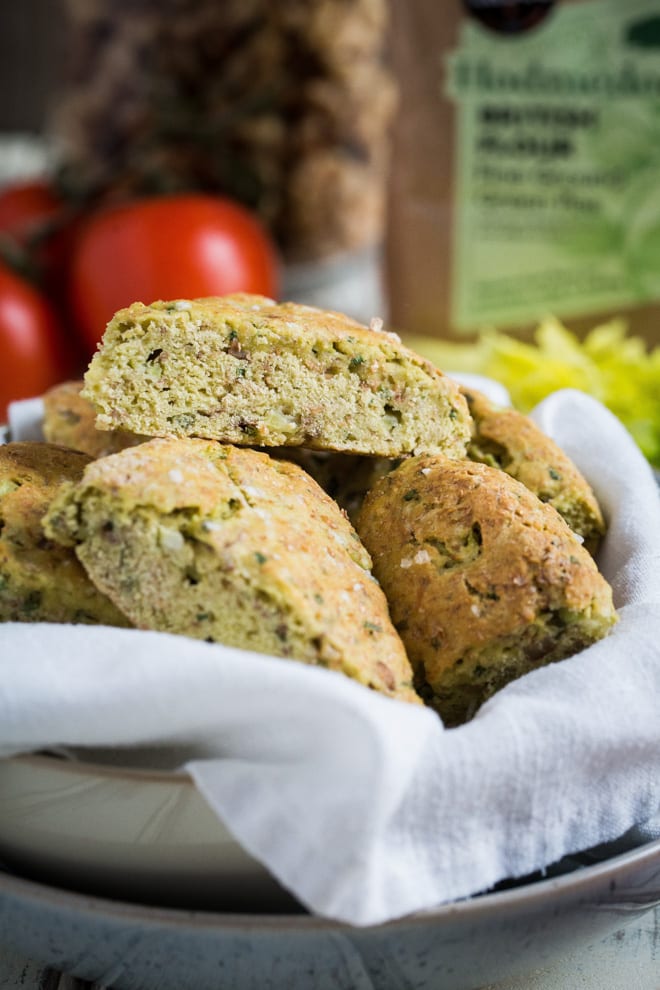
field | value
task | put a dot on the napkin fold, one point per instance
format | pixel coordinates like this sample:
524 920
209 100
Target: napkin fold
367 808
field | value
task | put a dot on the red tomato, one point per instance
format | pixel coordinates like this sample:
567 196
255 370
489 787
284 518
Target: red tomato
26 208
32 353
168 247
40 228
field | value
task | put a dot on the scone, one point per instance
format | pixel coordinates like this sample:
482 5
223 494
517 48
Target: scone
41 581
70 420
506 439
245 370
232 546
485 582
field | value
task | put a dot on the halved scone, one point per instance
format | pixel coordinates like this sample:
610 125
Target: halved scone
232 546
245 370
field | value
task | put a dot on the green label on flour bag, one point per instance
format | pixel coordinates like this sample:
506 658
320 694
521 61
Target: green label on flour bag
557 189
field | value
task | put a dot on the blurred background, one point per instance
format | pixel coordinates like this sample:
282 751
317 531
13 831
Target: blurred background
32 42
362 155
166 148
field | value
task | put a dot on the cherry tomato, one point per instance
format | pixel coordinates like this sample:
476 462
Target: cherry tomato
168 247
26 208
32 352
37 229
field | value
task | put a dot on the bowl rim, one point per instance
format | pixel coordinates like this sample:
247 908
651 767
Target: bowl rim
54 762
472 908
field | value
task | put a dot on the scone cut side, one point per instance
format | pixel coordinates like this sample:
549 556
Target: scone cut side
245 370
229 545
40 580
484 581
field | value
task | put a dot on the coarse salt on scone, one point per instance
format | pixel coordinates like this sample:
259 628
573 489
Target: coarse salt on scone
231 546
246 370
485 582
70 420
507 439
41 581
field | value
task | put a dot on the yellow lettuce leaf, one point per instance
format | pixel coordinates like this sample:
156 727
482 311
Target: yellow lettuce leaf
614 367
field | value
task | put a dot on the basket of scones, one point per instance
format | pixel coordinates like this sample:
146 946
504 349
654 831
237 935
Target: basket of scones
200 484
273 479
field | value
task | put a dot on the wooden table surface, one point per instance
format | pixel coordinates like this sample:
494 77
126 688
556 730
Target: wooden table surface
629 959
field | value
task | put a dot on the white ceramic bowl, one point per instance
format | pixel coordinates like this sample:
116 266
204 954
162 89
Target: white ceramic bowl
146 839
130 832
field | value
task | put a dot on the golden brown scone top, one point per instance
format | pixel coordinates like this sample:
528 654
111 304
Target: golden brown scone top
277 566
484 581
177 474
507 439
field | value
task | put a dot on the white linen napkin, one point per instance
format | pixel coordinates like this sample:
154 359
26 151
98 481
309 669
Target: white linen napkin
368 808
